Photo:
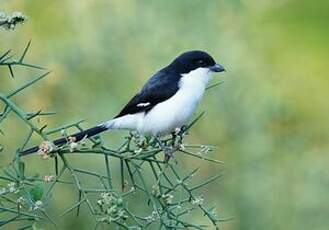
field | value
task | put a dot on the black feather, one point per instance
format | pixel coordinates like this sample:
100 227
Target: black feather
157 89
77 137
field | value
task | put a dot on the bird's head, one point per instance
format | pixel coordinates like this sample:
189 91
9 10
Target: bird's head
193 60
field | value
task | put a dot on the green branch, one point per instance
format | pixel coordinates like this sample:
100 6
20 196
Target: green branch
166 199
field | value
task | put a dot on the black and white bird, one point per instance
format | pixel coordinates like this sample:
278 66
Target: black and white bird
166 102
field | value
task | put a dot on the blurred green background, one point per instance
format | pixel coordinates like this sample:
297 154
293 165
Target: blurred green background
269 119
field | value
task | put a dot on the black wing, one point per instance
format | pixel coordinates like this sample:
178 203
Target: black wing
157 89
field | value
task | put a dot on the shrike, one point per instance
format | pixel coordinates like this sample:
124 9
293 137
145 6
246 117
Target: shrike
166 102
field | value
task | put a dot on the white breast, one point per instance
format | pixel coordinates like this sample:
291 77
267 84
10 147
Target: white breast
177 110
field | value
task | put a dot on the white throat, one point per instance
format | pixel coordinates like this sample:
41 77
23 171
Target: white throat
196 80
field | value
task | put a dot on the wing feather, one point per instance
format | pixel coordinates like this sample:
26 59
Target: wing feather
157 89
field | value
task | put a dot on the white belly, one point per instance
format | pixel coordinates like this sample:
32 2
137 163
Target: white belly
165 117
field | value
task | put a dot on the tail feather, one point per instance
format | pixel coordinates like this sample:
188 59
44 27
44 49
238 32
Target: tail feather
77 137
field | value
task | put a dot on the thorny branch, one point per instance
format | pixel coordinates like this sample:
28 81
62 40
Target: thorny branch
169 196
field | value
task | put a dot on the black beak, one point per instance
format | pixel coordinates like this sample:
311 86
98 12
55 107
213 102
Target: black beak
217 68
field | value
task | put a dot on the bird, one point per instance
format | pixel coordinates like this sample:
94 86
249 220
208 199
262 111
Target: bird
166 101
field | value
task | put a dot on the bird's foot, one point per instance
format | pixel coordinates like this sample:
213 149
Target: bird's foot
168 151
177 137
168 154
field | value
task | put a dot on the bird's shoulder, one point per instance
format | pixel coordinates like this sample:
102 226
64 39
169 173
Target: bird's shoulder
160 87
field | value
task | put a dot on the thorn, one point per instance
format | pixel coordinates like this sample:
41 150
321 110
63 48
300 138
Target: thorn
5 54
42 128
24 52
11 71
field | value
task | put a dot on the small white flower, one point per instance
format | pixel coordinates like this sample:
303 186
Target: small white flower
105 195
197 200
156 191
48 178
100 202
12 187
20 201
138 151
9 22
45 148
38 205
168 198
153 217
177 130
73 146
72 139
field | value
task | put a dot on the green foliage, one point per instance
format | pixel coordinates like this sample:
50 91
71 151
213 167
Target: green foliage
36 192
168 197
269 120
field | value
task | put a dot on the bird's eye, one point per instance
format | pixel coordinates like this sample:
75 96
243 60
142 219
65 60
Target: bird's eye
201 62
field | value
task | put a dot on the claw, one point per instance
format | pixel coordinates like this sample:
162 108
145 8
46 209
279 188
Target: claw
168 154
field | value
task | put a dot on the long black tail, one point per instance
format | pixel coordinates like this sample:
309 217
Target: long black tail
77 137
